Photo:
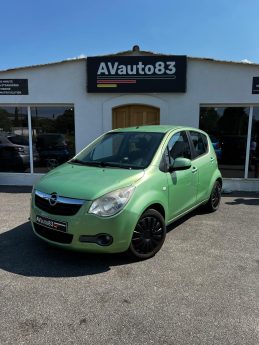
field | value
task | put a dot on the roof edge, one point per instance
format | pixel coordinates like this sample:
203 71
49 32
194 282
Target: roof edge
129 53
43 64
224 61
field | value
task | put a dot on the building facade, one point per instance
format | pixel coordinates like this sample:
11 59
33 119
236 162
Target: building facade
50 112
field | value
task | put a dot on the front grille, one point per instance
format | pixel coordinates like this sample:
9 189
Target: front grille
53 235
63 207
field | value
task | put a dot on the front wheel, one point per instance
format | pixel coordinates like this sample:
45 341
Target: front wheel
215 197
148 235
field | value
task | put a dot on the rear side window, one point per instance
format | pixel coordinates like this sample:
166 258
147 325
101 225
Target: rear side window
200 143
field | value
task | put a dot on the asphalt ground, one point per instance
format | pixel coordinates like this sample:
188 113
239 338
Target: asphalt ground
201 288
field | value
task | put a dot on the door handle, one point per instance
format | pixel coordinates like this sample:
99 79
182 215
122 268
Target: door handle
212 159
194 170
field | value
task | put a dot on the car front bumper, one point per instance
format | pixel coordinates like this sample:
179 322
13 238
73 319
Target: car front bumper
83 230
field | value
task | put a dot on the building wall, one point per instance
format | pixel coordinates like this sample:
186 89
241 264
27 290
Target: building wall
219 82
208 82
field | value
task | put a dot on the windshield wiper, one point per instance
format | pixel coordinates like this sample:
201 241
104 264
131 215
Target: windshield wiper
75 160
119 165
91 163
103 164
78 161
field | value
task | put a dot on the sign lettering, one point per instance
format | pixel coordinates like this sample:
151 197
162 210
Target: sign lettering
14 87
136 74
255 87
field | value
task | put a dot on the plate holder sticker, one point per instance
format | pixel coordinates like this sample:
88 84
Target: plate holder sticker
51 223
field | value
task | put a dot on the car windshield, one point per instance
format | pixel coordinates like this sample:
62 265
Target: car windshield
132 150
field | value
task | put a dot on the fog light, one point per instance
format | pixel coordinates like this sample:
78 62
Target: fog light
104 240
100 239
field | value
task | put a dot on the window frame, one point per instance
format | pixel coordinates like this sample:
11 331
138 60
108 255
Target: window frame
29 124
164 165
251 107
194 152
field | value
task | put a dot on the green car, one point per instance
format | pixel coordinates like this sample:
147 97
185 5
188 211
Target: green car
121 191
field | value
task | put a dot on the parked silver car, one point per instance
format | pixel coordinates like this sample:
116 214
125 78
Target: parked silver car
15 153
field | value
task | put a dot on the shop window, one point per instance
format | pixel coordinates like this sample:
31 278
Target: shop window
227 127
253 168
53 136
14 141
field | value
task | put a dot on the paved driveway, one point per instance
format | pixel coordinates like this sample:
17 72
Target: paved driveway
201 288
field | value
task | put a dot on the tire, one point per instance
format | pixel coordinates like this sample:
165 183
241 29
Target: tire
148 235
213 203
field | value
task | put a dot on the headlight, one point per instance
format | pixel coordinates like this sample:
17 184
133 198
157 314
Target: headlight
111 203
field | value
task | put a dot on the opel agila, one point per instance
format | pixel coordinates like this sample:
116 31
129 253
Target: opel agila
121 191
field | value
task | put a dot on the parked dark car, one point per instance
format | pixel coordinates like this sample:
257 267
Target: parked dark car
217 145
52 148
15 153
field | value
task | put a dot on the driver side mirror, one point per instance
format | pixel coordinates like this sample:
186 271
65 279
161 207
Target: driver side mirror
180 164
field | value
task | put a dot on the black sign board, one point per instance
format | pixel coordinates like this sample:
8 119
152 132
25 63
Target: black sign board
136 74
255 87
14 87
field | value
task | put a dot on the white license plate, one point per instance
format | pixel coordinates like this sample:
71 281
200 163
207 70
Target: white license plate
51 224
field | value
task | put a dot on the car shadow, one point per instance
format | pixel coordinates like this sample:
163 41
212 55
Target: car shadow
198 211
243 201
21 252
242 198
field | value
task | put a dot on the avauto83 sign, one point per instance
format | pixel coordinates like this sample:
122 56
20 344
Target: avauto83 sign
136 74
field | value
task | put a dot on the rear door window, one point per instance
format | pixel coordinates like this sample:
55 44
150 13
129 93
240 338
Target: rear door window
200 143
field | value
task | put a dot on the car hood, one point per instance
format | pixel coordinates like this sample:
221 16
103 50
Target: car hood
86 182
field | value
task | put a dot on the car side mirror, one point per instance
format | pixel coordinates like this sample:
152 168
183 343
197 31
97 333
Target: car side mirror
180 164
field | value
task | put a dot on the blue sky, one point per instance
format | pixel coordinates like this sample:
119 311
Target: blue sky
36 31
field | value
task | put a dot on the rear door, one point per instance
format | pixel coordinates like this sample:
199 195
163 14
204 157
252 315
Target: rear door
204 162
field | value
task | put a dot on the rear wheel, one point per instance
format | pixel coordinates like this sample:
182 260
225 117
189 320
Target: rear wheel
215 197
148 235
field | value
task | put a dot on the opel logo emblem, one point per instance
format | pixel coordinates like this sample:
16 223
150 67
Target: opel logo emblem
53 199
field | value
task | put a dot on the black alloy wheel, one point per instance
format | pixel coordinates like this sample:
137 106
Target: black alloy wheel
148 235
215 197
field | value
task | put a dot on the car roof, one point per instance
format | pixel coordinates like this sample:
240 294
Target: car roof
154 128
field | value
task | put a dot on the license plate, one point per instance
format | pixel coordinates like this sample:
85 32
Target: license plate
51 224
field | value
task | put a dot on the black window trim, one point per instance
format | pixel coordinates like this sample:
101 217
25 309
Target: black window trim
194 154
162 164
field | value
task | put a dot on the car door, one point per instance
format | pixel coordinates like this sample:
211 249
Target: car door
182 184
204 161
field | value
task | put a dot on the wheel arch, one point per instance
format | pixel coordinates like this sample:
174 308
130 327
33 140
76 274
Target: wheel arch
220 180
158 207
216 177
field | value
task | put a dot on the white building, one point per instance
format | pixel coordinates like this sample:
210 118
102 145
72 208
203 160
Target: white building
47 113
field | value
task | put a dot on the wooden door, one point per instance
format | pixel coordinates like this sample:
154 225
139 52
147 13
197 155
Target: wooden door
135 115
